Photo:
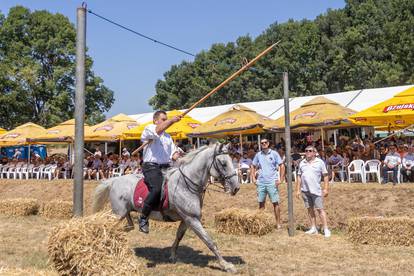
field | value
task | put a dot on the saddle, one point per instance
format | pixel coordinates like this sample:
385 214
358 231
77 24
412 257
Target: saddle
141 193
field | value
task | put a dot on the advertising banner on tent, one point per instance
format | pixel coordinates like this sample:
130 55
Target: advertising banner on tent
10 151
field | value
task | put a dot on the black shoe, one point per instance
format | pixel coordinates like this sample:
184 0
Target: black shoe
143 224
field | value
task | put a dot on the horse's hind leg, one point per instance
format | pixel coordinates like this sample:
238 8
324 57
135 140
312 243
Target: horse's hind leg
197 227
130 225
179 236
120 208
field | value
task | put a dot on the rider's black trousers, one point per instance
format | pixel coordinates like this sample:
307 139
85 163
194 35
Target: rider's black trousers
153 179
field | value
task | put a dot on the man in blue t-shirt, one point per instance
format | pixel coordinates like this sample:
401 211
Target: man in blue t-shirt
266 163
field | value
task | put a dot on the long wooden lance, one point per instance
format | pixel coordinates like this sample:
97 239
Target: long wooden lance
221 85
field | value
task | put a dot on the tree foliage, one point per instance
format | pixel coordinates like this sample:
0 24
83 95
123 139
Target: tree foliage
37 71
368 43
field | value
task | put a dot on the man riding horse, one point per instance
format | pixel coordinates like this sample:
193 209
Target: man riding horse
158 155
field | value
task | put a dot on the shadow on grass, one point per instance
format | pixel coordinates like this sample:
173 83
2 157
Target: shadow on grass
185 255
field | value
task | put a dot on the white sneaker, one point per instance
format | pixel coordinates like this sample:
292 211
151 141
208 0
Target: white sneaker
312 231
327 233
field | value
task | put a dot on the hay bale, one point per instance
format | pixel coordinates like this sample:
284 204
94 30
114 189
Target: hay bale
8 271
56 209
243 222
382 231
94 245
19 207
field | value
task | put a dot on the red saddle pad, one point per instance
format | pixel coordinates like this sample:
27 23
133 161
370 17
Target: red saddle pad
141 193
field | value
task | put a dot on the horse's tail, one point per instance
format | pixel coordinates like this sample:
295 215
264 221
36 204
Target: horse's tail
101 194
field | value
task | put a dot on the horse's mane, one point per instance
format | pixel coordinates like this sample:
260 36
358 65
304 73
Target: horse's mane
186 159
190 156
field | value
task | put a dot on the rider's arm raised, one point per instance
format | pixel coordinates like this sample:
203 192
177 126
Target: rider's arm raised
160 128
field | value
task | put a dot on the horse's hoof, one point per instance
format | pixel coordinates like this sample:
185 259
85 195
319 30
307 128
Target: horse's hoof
173 260
230 268
129 228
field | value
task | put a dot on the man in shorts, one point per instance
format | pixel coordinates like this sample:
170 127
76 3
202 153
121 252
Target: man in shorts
311 169
268 161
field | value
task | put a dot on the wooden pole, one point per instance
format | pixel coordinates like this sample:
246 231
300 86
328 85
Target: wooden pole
241 144
232 77
79 110
322 138
291 222
221 85
395 133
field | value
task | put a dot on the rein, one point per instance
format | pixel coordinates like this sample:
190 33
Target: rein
196 188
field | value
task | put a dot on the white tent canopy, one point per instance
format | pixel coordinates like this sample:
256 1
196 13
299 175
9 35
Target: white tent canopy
357 100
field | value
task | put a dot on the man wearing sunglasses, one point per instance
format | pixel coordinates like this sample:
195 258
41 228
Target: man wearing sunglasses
267 182
310 172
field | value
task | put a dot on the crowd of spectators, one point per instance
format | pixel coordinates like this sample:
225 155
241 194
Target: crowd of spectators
396 155
96 166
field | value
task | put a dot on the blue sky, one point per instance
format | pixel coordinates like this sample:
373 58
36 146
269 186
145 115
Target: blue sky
130 65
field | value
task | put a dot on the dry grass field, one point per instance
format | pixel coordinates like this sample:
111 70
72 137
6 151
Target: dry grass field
23 240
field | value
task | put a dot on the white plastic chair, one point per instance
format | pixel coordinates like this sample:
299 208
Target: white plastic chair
22 170
342 170
37 171
399 175
245 174
118 171
18 171
65 173
49 171
28 171
12 172
373 167
358 166
3 170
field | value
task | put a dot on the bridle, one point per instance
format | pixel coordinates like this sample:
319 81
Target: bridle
195 188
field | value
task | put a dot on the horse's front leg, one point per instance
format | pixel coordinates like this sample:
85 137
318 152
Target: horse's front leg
195 224
179 236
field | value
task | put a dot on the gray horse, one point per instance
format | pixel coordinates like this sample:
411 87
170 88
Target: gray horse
186 185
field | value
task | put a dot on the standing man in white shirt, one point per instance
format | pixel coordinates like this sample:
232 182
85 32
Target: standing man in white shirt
158 155
310 172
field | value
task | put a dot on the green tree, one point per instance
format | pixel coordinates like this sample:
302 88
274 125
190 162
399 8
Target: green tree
368 43
37 71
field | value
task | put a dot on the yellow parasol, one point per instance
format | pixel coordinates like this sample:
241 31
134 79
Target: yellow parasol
111 129
2 130
20 134
177 131
63 132
239 120
397 112
318 113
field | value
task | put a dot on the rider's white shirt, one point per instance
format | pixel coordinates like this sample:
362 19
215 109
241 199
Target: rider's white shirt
162 147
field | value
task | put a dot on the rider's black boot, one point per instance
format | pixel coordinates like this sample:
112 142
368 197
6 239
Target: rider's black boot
143 224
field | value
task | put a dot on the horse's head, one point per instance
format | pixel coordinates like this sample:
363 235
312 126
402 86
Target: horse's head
222 168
